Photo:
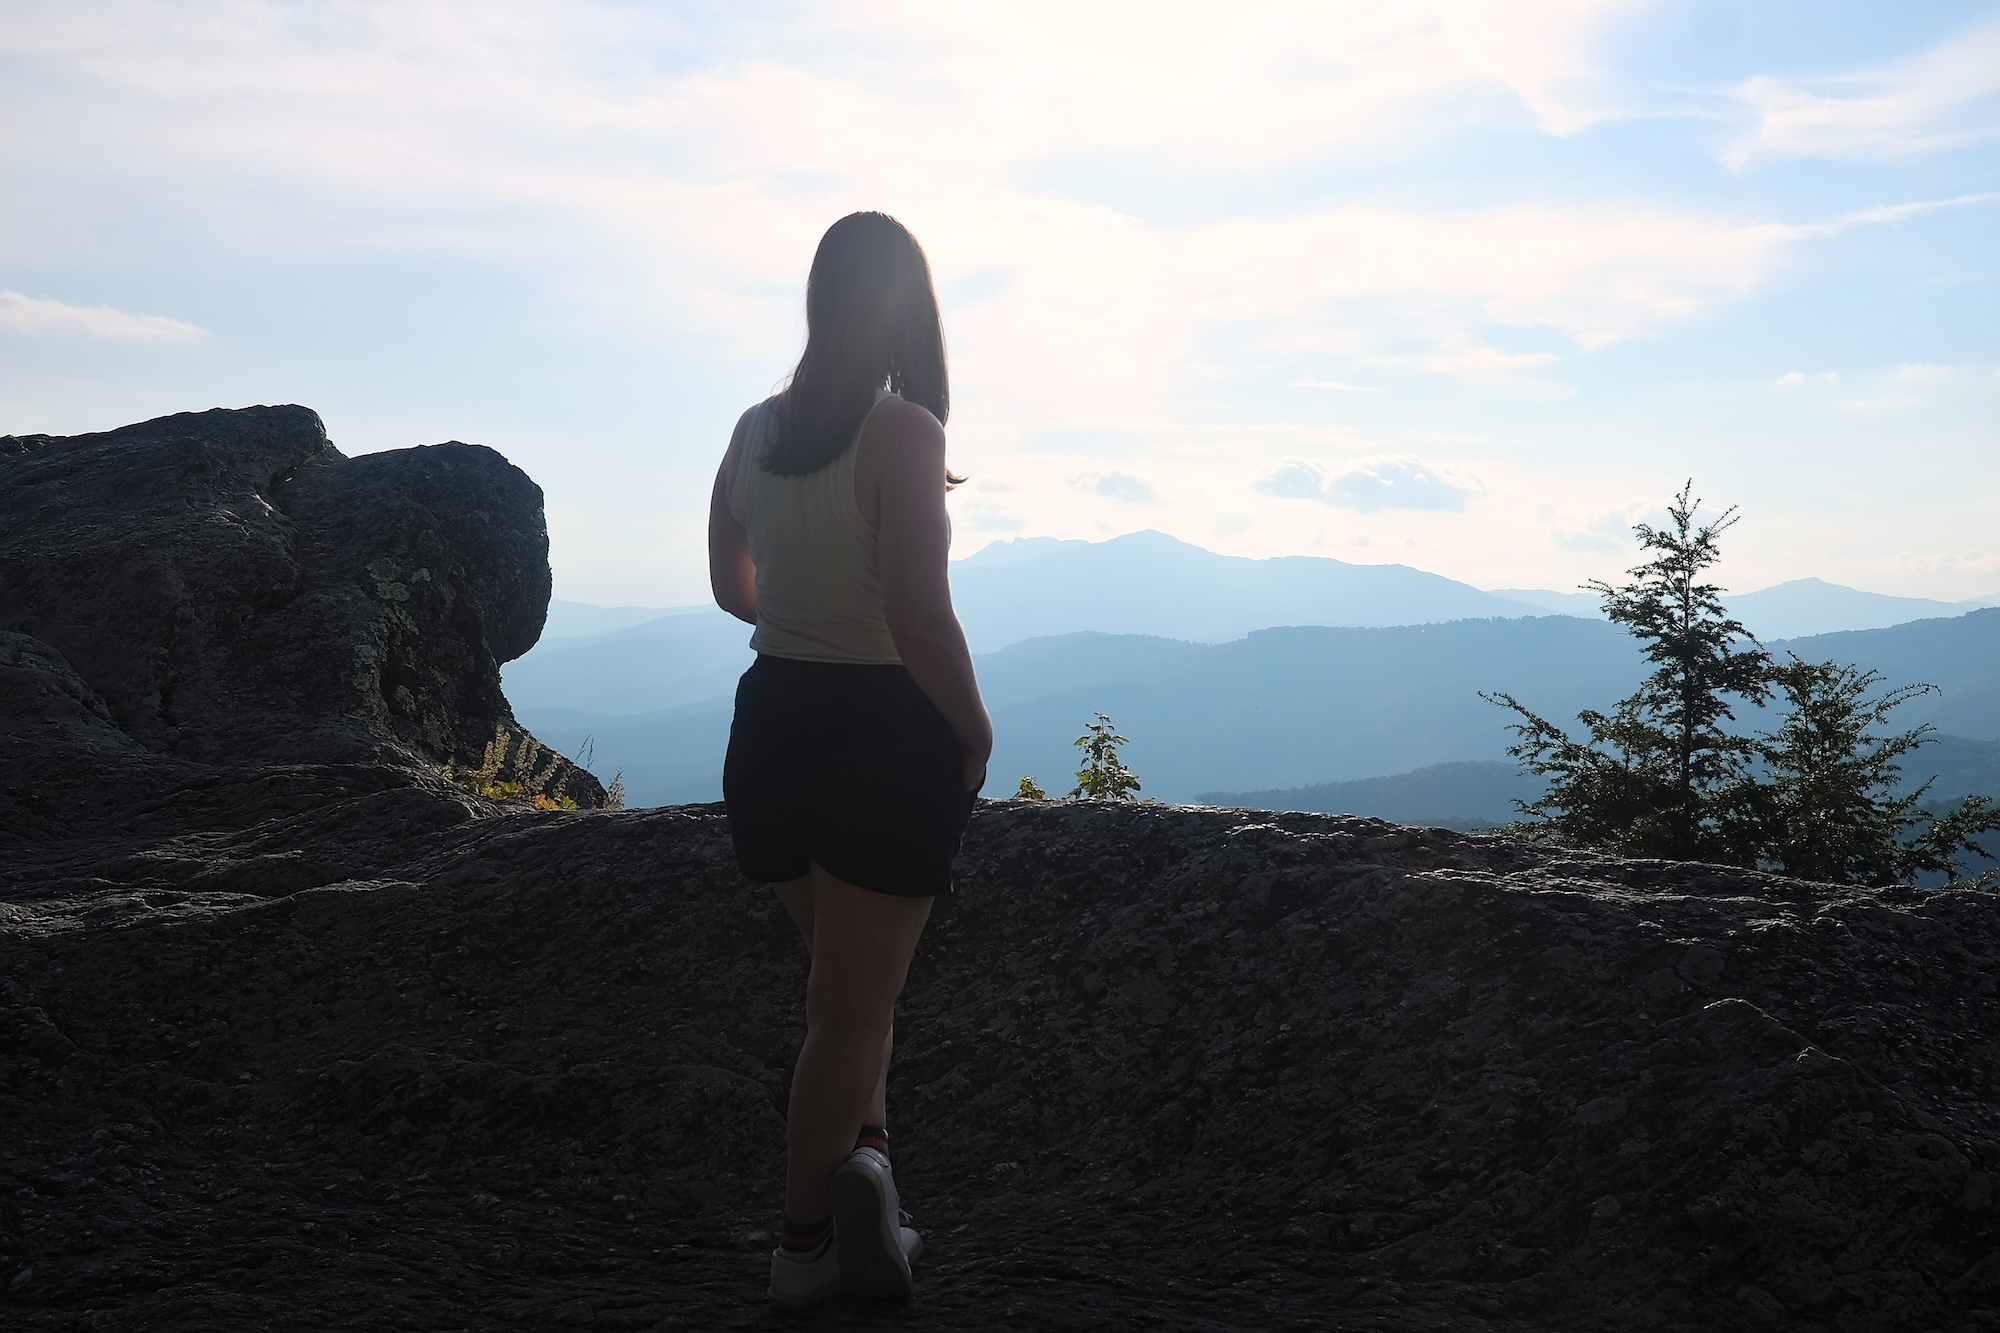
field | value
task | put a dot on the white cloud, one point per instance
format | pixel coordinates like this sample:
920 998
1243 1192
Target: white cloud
1909 387
1485 362
1116 486
30 314
1954 562
986 516
1369 484
1945 98
1294 479
1336 386
1599 531
1890 214
532 135
1555 79
1141 219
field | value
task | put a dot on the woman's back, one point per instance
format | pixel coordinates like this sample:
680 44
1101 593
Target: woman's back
859 740
819 590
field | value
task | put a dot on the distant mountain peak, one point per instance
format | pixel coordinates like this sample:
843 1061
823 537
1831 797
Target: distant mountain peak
1813 606
1009 551
1809 582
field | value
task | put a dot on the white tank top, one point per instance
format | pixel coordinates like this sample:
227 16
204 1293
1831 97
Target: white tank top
819 596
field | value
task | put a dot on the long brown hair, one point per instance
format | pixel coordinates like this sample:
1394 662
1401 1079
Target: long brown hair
871 319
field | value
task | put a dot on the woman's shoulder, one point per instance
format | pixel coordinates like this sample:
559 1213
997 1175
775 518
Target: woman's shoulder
747 426
755 410
901 424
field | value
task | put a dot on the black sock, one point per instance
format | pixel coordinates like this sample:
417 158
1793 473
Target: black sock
873 1136
803 1237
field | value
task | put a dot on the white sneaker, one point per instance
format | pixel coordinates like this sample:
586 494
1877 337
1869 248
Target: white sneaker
875 1257
799 1282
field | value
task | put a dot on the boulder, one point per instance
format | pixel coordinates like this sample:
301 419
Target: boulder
229 590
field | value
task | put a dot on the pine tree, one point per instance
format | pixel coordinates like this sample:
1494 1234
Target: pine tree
1830 812
1662 775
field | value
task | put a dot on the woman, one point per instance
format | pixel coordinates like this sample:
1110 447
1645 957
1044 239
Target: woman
859 740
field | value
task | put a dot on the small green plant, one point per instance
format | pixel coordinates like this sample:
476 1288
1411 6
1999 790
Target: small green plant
614 795
488 772
1103 776
531 775
1029 790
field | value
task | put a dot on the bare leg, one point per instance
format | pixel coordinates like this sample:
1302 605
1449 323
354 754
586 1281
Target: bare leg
797 896
878 1105
861 948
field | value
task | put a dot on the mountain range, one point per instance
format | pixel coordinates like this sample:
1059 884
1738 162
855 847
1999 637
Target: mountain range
1478 794
1215 712
1295 706
1784 610
628 660
1150 583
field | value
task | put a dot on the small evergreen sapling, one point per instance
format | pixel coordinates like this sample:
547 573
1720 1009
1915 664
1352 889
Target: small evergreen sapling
1103 776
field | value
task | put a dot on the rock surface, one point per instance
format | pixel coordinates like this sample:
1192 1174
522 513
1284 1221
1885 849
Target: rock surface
222 589
306 1037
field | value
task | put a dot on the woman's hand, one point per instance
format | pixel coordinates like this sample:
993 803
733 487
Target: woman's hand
973 770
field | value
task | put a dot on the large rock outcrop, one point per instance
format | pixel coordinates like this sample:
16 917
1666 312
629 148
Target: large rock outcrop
285 1048
225 590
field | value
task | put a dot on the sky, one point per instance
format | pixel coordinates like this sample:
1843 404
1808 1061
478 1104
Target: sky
1464 286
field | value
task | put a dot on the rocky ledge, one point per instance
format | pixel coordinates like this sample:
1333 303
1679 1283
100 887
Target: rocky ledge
296 1033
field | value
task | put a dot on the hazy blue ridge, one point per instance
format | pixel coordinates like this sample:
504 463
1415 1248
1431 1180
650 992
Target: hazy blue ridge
1471 796
1465 796
1960 766
633 660
1813 607
575 620
667 662
670 757
1588 605
1784 610
1960 655
1150 583
1307 706
1241 716
1145 583
1283 707
1280 707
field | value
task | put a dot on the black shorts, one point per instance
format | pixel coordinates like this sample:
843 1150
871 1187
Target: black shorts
851 767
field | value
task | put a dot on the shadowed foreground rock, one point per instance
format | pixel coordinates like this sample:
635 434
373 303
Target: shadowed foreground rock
318 1044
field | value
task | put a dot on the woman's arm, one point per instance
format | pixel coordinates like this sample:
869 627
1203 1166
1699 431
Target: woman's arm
732 576
913 541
